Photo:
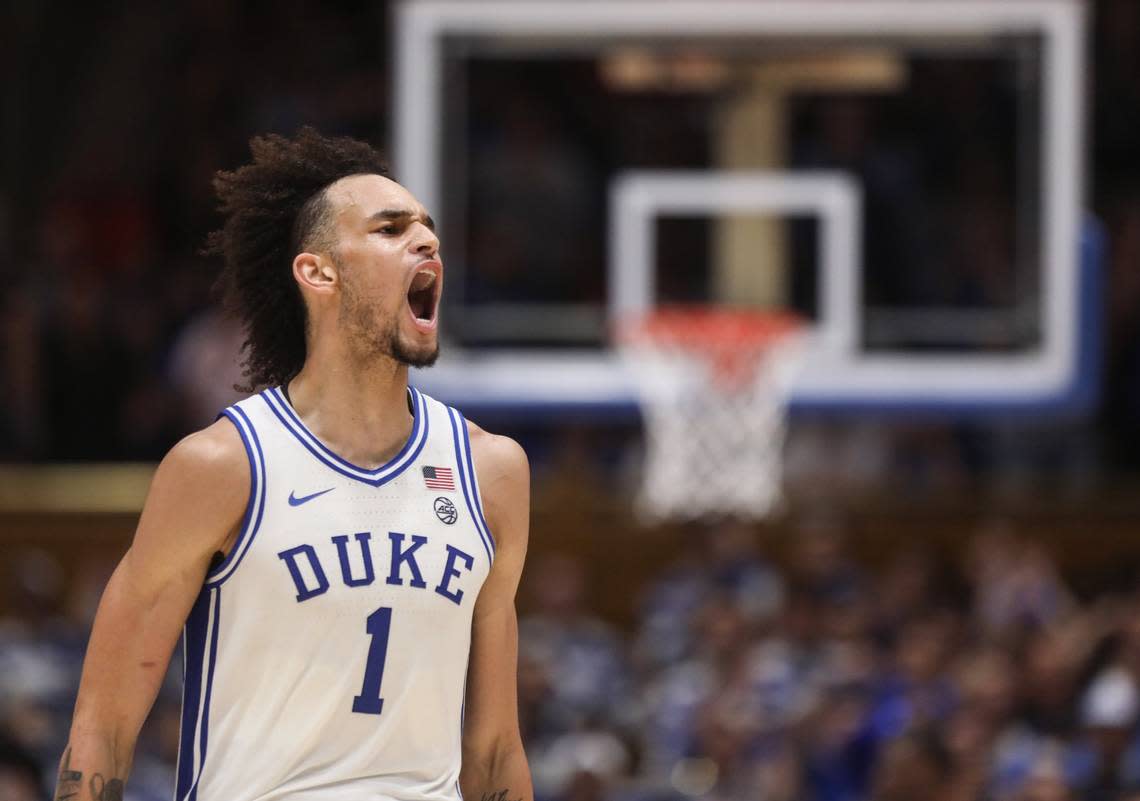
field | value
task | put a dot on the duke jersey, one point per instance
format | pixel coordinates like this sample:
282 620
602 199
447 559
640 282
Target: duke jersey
326 656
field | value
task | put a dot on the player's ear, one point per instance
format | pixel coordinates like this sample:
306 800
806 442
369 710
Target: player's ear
314 271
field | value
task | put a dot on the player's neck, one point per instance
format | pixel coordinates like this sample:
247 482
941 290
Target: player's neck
361 414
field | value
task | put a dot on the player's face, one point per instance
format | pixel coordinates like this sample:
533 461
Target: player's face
387 256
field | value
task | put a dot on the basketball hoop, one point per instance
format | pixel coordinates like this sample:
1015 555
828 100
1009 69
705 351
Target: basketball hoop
713 386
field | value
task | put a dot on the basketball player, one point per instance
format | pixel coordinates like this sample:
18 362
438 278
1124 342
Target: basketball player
340 551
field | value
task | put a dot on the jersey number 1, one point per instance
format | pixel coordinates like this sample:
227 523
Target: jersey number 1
369 701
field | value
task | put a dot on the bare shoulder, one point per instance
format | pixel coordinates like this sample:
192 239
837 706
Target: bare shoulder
204 478
503 471
496 455
213 456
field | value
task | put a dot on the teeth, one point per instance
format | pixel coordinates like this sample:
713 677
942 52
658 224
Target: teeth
422 280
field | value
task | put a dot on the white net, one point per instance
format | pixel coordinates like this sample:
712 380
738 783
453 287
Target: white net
714 413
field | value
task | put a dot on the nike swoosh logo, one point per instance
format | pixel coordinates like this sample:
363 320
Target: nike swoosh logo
295 501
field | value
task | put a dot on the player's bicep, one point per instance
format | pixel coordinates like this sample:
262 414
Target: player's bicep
198 496
492 682
195 499
504 481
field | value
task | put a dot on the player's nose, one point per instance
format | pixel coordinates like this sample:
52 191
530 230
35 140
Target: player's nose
425 242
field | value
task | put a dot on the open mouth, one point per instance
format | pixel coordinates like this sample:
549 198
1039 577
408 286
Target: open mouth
423 295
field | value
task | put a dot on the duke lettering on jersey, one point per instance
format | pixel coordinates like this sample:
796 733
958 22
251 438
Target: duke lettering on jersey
451 571
400 556
292 559
310 579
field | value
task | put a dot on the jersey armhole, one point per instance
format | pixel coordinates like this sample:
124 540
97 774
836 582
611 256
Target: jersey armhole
468 482
255 506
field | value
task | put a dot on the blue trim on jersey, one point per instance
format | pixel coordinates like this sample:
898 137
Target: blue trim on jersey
255 507
193 645
376 477
205 724
299 427
476 516
475 484
198 664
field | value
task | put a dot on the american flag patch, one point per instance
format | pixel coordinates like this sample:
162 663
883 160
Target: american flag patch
439 478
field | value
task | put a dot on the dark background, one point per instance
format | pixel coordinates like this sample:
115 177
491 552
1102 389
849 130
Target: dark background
117 114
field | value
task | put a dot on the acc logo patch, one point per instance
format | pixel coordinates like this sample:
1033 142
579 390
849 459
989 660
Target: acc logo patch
445 510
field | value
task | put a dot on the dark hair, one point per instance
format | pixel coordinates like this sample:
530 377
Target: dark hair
274 207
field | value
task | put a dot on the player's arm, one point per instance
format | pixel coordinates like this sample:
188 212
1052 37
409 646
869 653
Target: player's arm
192 511
494 764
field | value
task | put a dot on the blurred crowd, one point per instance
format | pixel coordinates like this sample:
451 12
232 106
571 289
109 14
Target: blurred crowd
820 680
752 671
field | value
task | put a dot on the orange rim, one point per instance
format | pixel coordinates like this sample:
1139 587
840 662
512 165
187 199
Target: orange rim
733 340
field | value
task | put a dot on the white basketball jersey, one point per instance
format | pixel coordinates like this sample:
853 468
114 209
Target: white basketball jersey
326 656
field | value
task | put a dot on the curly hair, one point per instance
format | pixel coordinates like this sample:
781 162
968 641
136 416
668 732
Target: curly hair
274 208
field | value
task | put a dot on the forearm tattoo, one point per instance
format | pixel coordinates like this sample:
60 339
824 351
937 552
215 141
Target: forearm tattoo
70 781
70 785
499 795
109 790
